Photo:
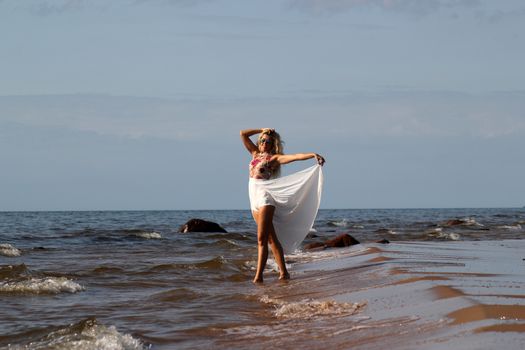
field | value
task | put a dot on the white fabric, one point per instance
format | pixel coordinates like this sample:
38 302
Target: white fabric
296 198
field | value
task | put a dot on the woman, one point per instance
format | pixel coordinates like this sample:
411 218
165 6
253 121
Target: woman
267 158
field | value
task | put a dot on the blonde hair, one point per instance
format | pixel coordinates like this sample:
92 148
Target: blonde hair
278 147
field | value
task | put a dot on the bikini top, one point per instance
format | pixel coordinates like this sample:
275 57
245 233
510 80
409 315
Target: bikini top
261 167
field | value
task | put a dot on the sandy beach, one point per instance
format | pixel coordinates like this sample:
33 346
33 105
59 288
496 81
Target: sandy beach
406 295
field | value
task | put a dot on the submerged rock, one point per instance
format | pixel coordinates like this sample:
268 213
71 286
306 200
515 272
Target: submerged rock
199 225
317 245
455 222
344 240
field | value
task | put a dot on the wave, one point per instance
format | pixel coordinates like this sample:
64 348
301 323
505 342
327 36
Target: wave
309 308
462 222
515 227
219 243
47 285
9 250
107 269
122 234
215 263
438 233
86 335
13 271
147 235
385 231
230 235
176 295
338 223
344 223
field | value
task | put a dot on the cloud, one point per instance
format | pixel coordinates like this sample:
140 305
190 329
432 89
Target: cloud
500 15
395 114
417 7
45 8
55 7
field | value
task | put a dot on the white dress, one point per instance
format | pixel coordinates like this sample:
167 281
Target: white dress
296 198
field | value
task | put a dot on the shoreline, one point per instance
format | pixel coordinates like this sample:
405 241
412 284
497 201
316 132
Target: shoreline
405 295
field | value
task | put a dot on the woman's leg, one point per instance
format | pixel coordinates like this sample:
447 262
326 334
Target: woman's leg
278 254
265 235
262 240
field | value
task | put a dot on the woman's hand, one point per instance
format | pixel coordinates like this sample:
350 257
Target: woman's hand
320 159
268 130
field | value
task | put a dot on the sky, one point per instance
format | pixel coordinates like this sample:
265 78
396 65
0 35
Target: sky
137 104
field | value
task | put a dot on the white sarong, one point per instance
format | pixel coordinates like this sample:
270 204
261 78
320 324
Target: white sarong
296 198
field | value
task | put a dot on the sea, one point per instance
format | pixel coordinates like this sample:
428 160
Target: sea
131 280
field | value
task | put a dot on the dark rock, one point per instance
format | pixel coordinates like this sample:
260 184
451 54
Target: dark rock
383 241
314 245
344 240
198 225
455 222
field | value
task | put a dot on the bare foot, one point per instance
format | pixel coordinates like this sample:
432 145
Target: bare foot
258 280
284 276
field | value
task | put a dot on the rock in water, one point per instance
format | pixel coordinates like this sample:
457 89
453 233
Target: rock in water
317 245
455 222
199 225
344 240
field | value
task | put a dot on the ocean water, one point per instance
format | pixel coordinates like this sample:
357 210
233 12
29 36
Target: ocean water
130 280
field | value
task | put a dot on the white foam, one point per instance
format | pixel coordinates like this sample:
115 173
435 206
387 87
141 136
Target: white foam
232 242
516 227
453 236
438 233
340 223
148 235
309 256
271 265
471 222
437 230
9 250
48 285
92 337
309 308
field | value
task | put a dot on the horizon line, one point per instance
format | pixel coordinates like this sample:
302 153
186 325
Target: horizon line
241 209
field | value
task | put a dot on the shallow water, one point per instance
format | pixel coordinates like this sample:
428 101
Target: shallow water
94 280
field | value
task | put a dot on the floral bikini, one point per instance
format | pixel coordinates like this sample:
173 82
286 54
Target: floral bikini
261 167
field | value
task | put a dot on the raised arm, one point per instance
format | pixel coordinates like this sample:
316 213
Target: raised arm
288 158
245 137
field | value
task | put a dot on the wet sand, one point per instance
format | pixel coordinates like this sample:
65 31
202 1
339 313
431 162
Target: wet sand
408 295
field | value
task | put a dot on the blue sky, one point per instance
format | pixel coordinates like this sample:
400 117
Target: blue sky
137 104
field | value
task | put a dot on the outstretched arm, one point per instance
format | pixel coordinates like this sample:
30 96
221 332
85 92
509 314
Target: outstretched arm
288 158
